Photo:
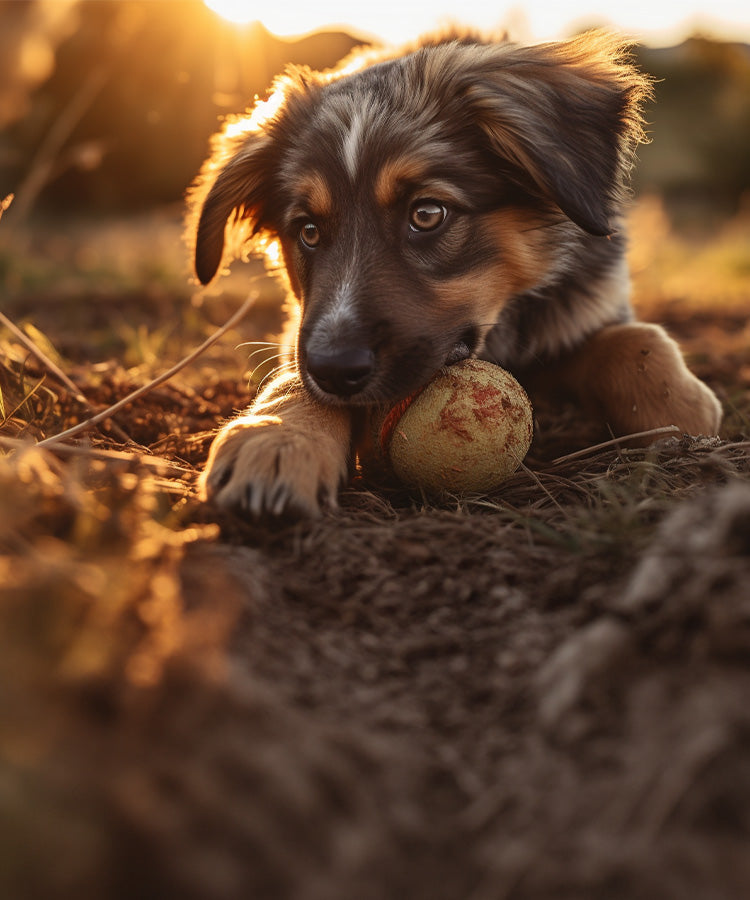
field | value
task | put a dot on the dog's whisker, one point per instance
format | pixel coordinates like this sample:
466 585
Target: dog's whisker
271 356
262 347
274 374
270 375
258 344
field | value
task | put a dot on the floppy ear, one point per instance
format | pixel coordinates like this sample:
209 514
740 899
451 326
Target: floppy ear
239 191
566 116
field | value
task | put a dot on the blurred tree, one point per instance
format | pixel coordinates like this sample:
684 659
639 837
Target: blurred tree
137 90
111 105
700 122
30 31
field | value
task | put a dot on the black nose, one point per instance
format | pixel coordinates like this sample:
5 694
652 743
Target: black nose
344 372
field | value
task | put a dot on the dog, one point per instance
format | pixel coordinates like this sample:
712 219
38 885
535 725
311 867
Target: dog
462 197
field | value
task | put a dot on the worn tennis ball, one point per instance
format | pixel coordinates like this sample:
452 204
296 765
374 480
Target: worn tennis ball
467 430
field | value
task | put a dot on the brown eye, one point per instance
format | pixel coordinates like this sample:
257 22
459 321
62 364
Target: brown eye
309 235
426 215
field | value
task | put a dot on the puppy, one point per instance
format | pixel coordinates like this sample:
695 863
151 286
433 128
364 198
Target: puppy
464 197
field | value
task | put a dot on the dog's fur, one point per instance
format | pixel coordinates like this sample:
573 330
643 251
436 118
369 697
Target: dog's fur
461 197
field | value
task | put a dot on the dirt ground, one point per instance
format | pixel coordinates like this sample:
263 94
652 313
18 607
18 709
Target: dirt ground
540 693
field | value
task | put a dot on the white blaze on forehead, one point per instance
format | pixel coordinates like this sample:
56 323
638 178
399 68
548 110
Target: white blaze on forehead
363 117
353 141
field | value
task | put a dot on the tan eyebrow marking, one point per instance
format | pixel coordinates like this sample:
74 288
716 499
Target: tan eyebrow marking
311 192
402 170
393 174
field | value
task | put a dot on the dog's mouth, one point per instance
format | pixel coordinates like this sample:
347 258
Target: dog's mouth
465 346
459 352
351 378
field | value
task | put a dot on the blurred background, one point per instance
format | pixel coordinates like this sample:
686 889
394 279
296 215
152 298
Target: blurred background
107 106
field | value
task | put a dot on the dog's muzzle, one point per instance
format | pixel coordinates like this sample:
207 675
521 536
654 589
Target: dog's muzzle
347 372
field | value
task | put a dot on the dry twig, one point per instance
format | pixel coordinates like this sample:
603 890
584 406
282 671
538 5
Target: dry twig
144 389
152 462
616 442
56 371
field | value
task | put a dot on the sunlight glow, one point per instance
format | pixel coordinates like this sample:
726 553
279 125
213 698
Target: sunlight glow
395 21
273 253
262 111
239 11
265 110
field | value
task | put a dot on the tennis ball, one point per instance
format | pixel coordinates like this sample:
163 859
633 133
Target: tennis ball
467 430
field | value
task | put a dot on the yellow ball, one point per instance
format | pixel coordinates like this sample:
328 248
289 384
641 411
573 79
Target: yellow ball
466 431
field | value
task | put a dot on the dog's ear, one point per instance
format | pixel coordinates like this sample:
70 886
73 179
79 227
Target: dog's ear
237 192
567 116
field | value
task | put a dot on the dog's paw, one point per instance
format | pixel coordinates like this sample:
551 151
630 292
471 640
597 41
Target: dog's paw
260 466
701 412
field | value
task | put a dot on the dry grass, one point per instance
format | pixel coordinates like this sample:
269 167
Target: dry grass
185 693
609 498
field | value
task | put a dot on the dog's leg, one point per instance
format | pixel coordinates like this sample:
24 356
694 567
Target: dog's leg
288 454
633 377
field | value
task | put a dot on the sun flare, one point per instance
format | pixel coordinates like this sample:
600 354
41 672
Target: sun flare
394 21
289 19
239 11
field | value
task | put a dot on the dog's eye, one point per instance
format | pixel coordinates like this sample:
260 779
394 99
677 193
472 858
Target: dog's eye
309 235
426 215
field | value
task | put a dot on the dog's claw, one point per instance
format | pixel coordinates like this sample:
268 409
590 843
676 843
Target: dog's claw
327 499
278 500
250 499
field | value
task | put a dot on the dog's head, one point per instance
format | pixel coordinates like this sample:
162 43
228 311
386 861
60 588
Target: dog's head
412 197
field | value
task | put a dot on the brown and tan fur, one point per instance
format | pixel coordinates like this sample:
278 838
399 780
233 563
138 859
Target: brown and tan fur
462 197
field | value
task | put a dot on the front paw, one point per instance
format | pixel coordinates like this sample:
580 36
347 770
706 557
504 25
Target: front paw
259 465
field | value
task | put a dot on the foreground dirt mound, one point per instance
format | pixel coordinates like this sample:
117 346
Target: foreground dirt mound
496 700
